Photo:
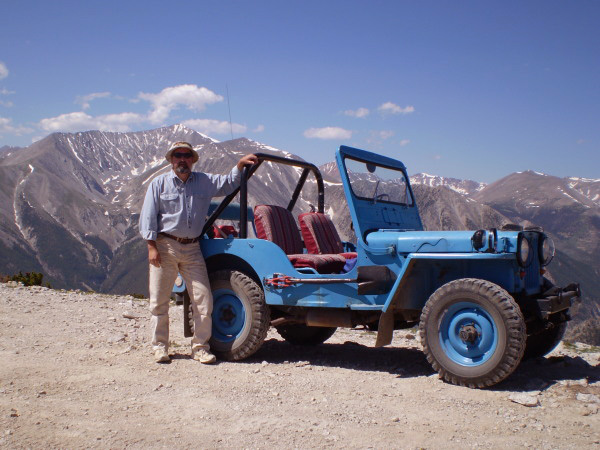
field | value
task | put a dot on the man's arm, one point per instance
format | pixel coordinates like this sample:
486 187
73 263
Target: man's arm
149 215
149 224
226 184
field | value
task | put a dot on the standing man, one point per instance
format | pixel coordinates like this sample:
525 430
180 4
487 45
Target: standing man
171 221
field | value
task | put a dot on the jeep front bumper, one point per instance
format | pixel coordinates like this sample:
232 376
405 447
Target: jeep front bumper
558 299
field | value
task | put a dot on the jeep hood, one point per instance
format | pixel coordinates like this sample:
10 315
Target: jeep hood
431 241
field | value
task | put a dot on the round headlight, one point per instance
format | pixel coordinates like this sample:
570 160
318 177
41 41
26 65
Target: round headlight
523 250
547 250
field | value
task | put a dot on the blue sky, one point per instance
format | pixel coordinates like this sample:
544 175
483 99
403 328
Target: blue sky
469 89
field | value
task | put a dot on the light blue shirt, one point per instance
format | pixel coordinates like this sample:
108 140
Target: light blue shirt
174 207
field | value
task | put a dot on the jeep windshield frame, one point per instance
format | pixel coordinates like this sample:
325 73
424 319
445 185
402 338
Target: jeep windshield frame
388 188
242 189
370 211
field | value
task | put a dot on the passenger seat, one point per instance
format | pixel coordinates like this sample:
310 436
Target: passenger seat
277 224
320 235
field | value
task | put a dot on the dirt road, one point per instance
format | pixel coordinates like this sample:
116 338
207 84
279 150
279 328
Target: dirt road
77 372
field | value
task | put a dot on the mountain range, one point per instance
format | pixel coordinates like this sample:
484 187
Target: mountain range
69 207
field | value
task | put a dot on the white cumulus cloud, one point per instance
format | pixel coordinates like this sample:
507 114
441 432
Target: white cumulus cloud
6 103
404 142
188 95
7 127
85 100
385 134
3 70
328 133
80 121
211 126
259 129
392 108
359 113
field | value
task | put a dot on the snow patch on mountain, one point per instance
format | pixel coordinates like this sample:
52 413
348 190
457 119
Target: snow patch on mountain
464 187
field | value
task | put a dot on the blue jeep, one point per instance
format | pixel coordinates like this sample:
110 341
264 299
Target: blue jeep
480 298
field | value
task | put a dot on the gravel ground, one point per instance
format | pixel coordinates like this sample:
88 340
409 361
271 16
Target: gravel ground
77 371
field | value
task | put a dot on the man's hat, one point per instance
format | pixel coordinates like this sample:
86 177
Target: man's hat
184 145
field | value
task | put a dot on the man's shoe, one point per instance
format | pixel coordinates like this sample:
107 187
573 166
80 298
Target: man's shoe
161 355
204 356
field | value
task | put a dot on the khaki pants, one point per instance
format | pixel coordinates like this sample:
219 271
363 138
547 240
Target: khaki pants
188 261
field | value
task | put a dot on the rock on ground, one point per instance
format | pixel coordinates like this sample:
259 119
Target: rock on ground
77 372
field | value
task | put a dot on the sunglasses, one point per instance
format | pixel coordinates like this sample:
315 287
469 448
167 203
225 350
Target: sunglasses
183 155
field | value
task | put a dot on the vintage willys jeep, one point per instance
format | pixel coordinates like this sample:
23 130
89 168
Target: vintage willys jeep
480 297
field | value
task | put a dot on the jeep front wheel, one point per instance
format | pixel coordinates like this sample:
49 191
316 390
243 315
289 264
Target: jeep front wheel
240 317
472 332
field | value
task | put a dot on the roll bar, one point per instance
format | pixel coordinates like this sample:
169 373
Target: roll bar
247 172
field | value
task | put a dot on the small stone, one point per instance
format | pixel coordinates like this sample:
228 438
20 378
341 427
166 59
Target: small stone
410 337
524 399
396 419
587 398
592 408
128 315
116 338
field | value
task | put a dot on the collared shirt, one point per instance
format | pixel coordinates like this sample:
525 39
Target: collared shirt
174 207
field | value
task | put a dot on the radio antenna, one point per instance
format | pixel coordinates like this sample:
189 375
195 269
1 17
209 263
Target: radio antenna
229 109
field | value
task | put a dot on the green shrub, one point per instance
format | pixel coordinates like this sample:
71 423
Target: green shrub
28 279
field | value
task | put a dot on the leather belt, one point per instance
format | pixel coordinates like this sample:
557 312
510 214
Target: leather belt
180 240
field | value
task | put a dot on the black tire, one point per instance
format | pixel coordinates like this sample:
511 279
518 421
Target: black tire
540 344
472 332
300 334
240 318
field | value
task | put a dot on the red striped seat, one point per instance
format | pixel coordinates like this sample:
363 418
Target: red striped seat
320 235
277 224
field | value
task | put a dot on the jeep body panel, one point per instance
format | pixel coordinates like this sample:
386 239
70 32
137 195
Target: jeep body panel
252 253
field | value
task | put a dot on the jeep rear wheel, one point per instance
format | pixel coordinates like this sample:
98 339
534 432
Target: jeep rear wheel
240 318
300 334
472 332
